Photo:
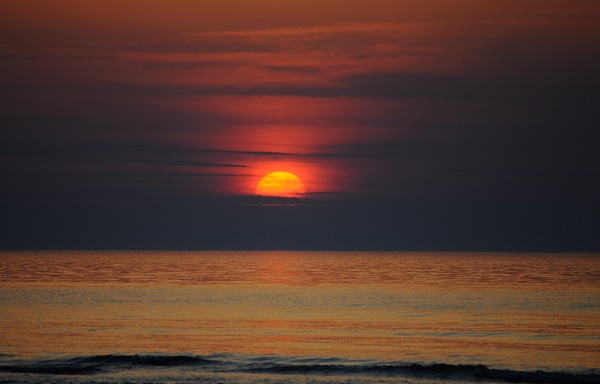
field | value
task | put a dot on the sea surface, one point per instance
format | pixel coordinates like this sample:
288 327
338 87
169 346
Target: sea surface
298 317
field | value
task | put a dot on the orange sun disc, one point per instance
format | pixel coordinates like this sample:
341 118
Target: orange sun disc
282 184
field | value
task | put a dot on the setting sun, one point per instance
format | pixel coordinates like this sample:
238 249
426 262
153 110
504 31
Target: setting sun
282 184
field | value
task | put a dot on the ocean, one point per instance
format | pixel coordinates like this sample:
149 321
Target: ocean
298 317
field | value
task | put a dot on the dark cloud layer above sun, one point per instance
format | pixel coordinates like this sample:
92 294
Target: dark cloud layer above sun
412 124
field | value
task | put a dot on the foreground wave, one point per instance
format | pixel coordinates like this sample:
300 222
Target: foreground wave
92 365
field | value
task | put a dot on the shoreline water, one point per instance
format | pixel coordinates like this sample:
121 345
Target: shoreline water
103 365
254 316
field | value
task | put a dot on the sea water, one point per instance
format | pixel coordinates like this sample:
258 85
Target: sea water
298 317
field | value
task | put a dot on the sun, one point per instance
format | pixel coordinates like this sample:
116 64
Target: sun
282 184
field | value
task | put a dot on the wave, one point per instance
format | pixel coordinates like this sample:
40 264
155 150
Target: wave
90 365
100 363
437 371
152 360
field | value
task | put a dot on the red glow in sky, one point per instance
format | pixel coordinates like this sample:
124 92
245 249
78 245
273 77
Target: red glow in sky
430 101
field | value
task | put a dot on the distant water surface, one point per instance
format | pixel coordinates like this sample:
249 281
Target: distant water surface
318 317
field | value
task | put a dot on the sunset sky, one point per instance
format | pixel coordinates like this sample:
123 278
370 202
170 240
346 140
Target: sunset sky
413 125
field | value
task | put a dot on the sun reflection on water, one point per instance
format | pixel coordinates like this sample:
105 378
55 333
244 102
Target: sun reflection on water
516 311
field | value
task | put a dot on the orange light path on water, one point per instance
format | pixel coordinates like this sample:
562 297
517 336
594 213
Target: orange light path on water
355 305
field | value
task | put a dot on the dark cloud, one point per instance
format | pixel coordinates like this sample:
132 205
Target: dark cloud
187 163
129 148
524 87
188 64
123 153
177 174
576 87
291 68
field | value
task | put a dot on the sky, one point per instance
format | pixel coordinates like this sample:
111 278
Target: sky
461 125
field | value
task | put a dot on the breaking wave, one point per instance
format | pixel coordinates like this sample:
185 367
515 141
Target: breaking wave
90 365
